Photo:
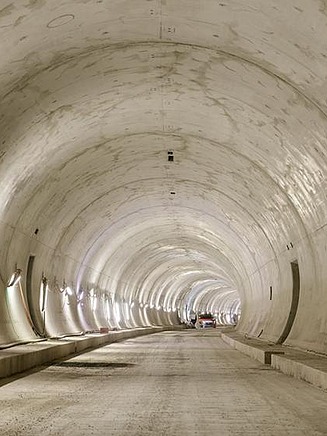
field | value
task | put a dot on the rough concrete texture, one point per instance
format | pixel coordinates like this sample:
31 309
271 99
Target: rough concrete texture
308 366
255 348
94 94
305 366
23 357
173 383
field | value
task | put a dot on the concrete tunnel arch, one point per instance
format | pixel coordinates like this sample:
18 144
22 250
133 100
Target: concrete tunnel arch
93 98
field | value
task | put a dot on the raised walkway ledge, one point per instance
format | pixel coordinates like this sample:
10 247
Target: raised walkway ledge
307 366
20 358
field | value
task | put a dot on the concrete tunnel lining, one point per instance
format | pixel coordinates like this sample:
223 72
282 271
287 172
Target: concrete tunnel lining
87 118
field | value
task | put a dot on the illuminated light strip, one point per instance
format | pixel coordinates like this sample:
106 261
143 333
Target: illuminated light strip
146 315
15 278
117 312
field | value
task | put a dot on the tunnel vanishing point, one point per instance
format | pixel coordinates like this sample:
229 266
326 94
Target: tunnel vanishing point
162 158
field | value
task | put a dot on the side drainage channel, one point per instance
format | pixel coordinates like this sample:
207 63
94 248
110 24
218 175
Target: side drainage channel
93 364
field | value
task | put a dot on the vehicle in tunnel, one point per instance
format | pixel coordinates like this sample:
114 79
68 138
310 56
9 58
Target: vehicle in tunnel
205 320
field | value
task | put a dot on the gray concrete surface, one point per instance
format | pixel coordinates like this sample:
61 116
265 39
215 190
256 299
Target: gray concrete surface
171 383
24 357
304 365
94 95
310 367
255 348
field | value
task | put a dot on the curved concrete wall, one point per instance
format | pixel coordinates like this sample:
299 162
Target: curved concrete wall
93 97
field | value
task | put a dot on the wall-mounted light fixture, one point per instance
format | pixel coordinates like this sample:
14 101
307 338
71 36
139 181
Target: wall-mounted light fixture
69 291
15 278
94 299
80 296
63 287
44 292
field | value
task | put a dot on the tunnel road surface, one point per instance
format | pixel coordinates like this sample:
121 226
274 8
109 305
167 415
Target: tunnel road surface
172 383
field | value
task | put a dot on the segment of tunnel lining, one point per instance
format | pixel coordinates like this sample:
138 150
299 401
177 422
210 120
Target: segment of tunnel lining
85 134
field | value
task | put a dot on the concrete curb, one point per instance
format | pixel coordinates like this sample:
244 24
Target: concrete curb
258 350
309 368
24 357
302 365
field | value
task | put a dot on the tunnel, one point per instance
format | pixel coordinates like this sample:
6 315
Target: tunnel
161 159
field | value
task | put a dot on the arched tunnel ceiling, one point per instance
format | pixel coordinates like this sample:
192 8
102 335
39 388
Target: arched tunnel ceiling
95 93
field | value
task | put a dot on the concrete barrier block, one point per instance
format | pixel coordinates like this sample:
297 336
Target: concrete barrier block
258 350
311 370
